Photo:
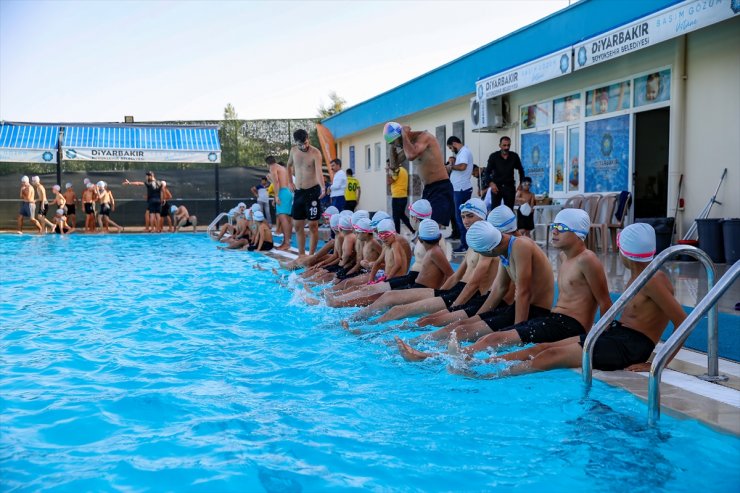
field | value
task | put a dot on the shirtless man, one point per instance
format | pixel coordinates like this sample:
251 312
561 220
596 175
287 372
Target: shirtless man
582 289
164 212
107 205
89 196
305 162
627 343
153 200
394 259
71 198
28 205
183 218
42 204
458 289
282 184
423 148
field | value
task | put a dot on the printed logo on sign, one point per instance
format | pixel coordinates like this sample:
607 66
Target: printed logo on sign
536 155
212 156
480 88
607 144
70 153
582 56
47 156
564 63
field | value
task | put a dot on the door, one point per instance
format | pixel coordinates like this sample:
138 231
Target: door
650 187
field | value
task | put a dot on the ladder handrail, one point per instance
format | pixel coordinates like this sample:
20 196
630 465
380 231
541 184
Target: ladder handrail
679 337
607 318
217 220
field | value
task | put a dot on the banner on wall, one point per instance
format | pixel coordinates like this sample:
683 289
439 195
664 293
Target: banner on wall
669 23
27 156
653 88
607 154
145 155
536 160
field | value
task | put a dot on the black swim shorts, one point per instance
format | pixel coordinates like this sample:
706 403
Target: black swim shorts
154 206
43 209
306 204
440 195
550 328
450 295
105 210
164 209
505 318
472 306
403 282
620 347
89 208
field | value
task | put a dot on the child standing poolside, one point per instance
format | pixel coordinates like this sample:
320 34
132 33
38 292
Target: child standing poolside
524 205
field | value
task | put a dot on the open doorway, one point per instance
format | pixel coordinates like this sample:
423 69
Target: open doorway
651 163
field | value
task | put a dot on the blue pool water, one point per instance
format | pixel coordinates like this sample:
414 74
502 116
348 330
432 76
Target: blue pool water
156 363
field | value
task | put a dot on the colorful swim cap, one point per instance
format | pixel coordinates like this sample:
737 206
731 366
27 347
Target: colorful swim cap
429 230
363 225
577 221
334 222
503 219
391 131
476 206
386 226
357 215
421 209
258 216
379 216
330 211
483 237
173 209
345 223
637 242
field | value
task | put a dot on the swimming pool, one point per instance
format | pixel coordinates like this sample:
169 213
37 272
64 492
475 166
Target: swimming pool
156 362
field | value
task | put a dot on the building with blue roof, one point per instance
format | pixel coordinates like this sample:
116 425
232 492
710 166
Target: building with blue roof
599 97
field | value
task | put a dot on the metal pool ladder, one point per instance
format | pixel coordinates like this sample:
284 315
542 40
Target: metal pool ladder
680 333
214 223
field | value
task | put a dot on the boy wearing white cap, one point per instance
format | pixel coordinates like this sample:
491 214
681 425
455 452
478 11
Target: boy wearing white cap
164 211
629 342
28 206
89 196
345 260
183 218
367 251
59 201
582 288
436 269
71 198
263 241
42 204
60 223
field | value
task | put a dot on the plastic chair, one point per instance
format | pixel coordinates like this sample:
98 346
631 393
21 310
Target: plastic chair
599 222
617 223
573 202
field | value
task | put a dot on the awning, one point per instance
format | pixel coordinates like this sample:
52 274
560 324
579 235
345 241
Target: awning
28 143
142 143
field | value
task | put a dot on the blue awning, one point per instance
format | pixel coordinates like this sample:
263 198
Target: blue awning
28 143
142 143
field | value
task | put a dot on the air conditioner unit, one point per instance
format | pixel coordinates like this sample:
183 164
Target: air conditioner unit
487 114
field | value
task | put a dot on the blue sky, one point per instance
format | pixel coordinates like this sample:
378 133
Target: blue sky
179 60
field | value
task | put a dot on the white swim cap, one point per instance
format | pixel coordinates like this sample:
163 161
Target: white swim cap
637 242
173 209
24 179
476 206
101 184
35 179
429 230
503 219
68 185
391 131
357 215
242 205
363 225
256 207
334 222
346 212
258 216
483 237
386 226
421 209
86 181
577 221
379 216
60 211
90 185
345 223
56 187
525 209
330 211
164 183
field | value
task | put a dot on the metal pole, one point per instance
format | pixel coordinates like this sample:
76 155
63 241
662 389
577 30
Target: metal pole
218 192
59 157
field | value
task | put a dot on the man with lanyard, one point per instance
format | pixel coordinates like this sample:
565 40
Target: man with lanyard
338 184
500 171
460 167
153 201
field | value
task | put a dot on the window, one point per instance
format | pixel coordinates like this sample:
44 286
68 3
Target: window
377 156
458 130
441 134
368 161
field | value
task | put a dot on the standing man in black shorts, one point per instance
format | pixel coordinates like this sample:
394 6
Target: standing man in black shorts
305 163
500 171
153 201
423 148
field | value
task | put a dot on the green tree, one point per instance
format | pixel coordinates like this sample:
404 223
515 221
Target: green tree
336 106
231 137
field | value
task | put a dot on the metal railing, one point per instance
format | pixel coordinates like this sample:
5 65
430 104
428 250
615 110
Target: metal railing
709 302
214 223
607 318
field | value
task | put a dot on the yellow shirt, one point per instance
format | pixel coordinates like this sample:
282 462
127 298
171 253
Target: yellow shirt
400 185
350 193
271 190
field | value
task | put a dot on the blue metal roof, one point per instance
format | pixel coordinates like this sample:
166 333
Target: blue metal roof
28 137
580 21
153 138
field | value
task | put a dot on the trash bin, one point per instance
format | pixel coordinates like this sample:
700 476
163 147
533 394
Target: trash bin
663 227
711 239
731 232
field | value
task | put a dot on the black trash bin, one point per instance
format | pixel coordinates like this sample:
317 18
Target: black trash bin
663 227
711 239
731 232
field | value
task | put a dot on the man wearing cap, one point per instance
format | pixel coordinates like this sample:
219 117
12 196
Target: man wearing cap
183 218
153 200
500 170
582 286
627 343
423 148
305 162
28 206
71 199
460 167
